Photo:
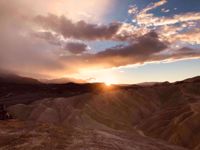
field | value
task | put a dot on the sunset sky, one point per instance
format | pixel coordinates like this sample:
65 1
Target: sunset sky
115 41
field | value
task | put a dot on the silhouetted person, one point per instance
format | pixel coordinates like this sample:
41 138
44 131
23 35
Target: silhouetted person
3 113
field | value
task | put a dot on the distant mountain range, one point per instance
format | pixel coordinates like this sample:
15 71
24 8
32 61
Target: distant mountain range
62 81
8 77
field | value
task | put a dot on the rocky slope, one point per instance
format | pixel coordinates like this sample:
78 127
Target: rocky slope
22 136
179 119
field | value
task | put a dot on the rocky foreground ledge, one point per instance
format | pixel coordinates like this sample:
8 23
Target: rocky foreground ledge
17 135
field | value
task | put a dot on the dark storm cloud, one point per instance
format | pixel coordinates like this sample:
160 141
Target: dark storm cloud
78 30
76 48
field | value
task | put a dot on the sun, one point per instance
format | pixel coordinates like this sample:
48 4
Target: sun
108 83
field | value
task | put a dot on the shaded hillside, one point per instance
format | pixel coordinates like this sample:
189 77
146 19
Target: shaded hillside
179 119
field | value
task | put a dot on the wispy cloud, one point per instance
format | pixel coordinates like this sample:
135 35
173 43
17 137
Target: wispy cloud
153 6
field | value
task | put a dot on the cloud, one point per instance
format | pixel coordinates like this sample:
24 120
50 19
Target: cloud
79 30
76 48
187 33
145 18
154 5
53 39
145 45
133 9
165 10
133 53
67 45
193 36
178 54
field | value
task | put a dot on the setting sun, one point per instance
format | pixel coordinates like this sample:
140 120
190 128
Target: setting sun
108 83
